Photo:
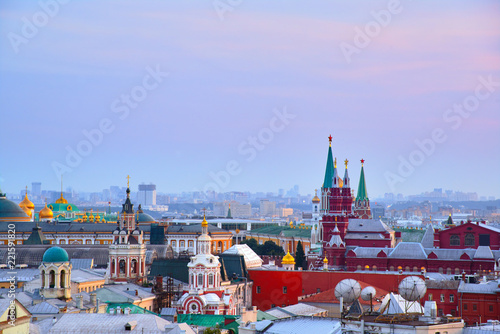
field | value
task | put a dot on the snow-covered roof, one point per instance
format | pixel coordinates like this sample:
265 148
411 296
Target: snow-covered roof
252 260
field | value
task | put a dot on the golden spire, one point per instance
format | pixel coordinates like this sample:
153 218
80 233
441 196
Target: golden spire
128 181
61 200
335 163
346 162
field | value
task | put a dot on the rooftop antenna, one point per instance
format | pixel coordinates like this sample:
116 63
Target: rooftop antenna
367 294
412 289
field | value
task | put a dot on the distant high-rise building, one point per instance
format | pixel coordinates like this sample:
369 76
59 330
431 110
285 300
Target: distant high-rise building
36 189
267 208
147 194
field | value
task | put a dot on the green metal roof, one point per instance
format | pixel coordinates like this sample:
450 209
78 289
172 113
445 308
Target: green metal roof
264 316
287 231
9 209
210 320
134 309
55 254
63 207
327 183
362 194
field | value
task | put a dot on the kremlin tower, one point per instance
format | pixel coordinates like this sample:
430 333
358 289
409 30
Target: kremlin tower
362 203
337 208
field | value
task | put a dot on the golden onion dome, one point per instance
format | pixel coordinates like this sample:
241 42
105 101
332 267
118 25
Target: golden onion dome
316 199
26 203
325 260
61 200
204 223
46 213
288 259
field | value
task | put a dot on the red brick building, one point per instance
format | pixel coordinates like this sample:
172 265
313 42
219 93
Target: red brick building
468 235
282 288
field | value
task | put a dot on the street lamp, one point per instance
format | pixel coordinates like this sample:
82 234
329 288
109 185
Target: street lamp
235 277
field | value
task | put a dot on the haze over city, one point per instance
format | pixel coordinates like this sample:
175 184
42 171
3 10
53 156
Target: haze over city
192 96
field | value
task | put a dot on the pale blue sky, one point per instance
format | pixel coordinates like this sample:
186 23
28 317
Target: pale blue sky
227 79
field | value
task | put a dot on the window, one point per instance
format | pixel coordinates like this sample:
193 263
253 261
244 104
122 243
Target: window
273 305
200 279
318 290
284 289
430 296
490 307
181 243
174 243
440 312
442 298
62 242
452 298
258 289
474 307
454 240
484 240
211 279
190 243
465 307
469 240
89 242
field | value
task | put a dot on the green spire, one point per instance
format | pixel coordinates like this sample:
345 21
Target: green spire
327 183
229 212
362 194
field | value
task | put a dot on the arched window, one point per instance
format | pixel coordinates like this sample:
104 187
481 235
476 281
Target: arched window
133 268
63 278
52 279
200 279
43 278
122 266
211 279
174 243
454 240
469 240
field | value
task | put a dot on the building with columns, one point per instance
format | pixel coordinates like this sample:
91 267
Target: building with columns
55 273
127 253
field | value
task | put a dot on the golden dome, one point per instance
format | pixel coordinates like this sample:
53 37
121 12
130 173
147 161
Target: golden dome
325 260
204 223
61 200
316 198
288 259
46 213
26 203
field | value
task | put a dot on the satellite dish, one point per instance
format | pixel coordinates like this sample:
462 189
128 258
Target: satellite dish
412 288
348 289
368 293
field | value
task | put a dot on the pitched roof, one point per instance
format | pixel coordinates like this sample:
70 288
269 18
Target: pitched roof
252 260
483 252
106 323
367 225
428 238
298 325
408 250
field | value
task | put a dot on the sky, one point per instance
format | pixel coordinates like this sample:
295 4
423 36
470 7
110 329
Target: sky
241 95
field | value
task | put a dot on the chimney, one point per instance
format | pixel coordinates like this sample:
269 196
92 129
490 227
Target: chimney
93 299
112 311
118 310
54 320
98 301
79 302
127 310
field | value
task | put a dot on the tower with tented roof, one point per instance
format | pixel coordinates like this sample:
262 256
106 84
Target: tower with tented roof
362 202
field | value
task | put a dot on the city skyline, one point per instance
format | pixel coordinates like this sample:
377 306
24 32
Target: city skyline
191 96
